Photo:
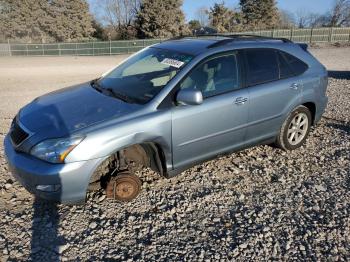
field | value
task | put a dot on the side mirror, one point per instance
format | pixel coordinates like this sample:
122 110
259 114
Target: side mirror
189 96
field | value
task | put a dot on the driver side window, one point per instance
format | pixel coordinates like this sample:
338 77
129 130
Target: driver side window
215 76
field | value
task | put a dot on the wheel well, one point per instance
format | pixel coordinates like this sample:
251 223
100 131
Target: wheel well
312 107
147 154
134 157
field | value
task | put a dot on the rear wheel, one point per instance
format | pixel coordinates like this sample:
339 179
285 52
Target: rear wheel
295 129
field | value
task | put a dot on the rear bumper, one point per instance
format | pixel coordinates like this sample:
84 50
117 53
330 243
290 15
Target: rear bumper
321 107
71 179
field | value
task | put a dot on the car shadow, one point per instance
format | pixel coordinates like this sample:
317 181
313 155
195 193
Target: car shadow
340 126
46 242
339 74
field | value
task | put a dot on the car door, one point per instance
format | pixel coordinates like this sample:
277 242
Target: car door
218 124
273 89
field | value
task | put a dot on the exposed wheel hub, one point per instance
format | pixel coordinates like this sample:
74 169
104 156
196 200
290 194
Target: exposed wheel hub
123 187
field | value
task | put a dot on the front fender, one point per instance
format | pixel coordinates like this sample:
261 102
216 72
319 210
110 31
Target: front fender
112 138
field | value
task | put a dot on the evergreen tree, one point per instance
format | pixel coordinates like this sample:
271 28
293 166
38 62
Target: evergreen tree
71 20
194 24
98 30
44 21
24 19
160 19
224 19
259 14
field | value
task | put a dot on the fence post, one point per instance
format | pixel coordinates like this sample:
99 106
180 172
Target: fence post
93 48
42 49
291 34
273 33
312 30
330 35
110 47
59 49
76 49
27 49
9 47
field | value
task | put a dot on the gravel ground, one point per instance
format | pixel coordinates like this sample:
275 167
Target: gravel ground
258 204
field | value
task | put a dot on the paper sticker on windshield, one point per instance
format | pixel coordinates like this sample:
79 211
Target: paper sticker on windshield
172 62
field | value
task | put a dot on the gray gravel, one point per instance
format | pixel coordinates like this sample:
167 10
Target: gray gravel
257 204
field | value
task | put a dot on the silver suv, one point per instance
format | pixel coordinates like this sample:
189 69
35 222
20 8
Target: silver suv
168 107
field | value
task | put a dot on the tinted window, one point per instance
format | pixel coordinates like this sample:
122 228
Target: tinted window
262 66
215 76
285 70
298 66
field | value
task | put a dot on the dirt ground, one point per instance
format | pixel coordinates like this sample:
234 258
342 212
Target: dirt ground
25 78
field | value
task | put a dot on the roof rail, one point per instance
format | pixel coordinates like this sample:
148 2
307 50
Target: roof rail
231 38
243 37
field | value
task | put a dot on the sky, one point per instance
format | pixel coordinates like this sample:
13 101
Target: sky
313 6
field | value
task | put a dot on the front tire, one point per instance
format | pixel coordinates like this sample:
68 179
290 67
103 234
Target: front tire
295 129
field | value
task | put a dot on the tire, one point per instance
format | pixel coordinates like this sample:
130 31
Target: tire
293 132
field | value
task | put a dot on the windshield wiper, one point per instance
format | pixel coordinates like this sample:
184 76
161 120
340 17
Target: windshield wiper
120 96
96 85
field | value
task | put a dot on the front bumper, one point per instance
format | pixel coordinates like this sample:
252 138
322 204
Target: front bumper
72 178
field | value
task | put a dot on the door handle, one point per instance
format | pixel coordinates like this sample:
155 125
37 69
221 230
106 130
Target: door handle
294 86
241 100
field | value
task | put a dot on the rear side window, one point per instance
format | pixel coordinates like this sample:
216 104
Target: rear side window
298 66
262 66
285 70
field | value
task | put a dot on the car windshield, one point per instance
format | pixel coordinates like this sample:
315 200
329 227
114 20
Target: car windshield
142 77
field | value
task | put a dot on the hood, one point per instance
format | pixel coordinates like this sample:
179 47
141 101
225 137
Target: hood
65 111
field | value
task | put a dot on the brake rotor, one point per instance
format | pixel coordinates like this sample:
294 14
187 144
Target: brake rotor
124 187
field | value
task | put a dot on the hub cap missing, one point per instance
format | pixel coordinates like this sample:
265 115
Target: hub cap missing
123 187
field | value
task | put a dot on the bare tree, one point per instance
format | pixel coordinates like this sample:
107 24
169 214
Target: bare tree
286 19
202 15
340 13
119 13
305 18
118 17
315 20
302 18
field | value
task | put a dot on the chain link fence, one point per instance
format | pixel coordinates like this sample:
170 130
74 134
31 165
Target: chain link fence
76 49
309 35
130 46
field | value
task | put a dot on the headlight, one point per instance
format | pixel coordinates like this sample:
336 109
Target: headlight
55 150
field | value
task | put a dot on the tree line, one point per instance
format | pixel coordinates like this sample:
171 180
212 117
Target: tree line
263 14
73 20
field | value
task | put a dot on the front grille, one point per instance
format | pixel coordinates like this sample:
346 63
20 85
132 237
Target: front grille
18 135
